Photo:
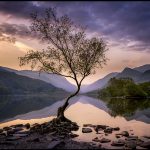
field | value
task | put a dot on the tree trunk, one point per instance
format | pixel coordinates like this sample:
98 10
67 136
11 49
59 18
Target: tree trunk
61 110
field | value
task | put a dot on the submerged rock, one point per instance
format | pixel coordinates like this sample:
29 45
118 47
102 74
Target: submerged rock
145 144
118 143
125 133
131 144
117 136
1 130
132 138
96 139
86 130
108 130
104 140
116 129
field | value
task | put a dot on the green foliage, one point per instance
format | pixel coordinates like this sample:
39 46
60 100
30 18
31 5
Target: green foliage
145 87
124 87
126 107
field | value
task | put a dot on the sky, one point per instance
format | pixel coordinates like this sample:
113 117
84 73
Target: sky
125 26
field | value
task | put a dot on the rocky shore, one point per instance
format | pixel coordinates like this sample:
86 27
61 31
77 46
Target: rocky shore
60 135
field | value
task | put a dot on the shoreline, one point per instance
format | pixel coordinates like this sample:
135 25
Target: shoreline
51 135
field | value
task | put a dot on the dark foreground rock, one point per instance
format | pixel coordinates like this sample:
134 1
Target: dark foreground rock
59 135
146 144
86 130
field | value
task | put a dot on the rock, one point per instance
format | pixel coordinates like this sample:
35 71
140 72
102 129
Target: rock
73 135
116 129
10 132
35 124
7 143
145 144
52 133
12 138
6 128
118 143
34 140
117 136
88 125
147 137
125 133
101 127
75 128
1 130
86 130
27 125
20 135
131 145
17 125
23 132
139 142
104 140
96 139
2 134
130 138
35 127
108 130
53 144
18 129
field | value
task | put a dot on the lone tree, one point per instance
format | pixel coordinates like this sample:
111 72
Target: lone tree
70 53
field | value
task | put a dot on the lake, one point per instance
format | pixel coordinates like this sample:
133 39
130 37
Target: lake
130 115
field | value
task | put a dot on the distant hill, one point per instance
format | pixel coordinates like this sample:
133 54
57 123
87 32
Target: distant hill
129 73
139 75
12 83
99 84
55 80
142 68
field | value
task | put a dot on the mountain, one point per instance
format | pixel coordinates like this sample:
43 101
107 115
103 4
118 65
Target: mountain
55 80
144 77
129 73
142 68
138 74
12 83
98 84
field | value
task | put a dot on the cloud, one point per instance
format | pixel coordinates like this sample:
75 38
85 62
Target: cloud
14 29
121 22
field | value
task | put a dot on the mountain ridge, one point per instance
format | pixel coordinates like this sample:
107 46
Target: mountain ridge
138 74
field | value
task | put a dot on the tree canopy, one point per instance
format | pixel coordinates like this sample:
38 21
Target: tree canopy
70 53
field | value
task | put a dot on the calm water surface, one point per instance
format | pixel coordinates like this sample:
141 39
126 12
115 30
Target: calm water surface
130 115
